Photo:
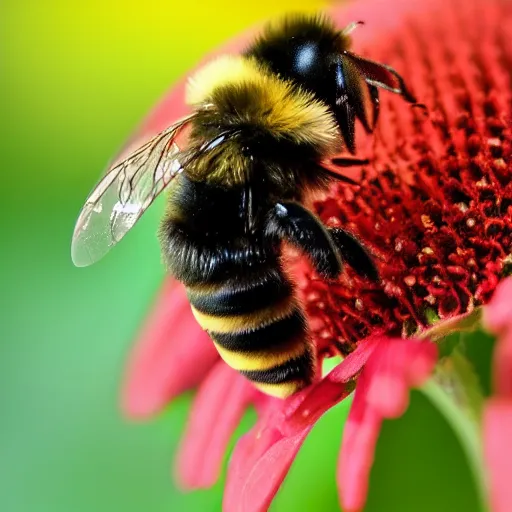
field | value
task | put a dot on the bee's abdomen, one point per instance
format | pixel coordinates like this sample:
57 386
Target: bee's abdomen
259 329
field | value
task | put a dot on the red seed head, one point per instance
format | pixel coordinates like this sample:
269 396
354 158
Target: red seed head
434 205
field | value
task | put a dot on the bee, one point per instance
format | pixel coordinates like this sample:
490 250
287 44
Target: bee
263 134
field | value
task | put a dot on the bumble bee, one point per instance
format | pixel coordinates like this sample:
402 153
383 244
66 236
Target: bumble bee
262 127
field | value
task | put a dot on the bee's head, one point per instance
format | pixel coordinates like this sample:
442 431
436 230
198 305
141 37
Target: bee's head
305 50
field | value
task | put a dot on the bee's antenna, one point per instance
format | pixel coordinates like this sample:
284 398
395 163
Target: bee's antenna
350 28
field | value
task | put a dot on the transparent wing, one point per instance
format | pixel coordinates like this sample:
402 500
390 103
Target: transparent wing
124 193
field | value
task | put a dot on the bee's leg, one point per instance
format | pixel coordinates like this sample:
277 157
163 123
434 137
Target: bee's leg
381 75
295 224
354 253
374 93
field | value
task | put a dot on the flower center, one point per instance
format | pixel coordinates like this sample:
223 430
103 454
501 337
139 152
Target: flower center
435 205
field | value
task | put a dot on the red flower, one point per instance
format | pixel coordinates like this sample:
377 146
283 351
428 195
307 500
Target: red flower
434 207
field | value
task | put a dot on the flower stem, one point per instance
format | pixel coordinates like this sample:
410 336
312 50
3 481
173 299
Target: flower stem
467 432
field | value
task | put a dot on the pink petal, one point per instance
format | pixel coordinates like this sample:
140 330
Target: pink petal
307 407
171 355
497 427
217 410
358 446
382 392
498 312
397 365
354 362
259 464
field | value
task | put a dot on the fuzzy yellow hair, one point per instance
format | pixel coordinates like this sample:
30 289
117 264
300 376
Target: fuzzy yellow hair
277 106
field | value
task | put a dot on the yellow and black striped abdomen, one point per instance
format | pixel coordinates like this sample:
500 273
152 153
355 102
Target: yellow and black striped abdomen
259 329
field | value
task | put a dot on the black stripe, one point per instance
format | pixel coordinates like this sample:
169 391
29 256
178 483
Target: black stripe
239 298
194 258
299 368
266 337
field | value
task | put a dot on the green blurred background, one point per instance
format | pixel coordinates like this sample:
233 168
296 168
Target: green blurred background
76 78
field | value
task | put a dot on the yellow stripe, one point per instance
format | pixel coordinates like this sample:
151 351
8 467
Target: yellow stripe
283 390
263 360
247 322
224 70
